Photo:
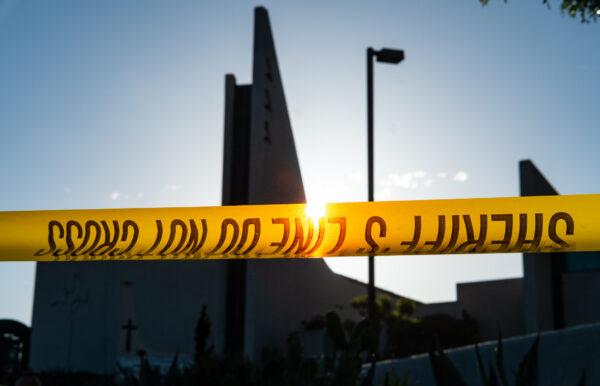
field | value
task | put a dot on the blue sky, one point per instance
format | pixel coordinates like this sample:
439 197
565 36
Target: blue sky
120 104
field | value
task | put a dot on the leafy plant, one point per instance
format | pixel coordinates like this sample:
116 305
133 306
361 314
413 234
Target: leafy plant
500 361
527 373
343 363
406 334
174 376
291 369
586 10
149 376
201 334
444 371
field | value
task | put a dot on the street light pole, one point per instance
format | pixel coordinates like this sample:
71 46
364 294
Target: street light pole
391 56
371 289
371 286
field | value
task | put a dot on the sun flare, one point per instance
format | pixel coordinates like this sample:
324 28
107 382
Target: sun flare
315 210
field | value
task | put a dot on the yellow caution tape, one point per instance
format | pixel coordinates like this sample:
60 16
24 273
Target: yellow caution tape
487 225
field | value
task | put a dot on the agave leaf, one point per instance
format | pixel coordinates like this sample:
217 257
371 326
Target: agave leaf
368 380
480 367
356 342
125 372
359 330
582 378
500 361
173 375
329 348
174 364
444 372
527 374
493 378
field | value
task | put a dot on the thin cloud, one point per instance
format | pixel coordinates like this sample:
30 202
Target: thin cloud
117 195
460 176
409 180
418 179
172 187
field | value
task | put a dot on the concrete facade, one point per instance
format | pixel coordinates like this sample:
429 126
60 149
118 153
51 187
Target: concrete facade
563 355
452 309
582 304
494 304
80 310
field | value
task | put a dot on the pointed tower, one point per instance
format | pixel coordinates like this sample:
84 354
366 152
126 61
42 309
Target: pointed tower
274 171
261 167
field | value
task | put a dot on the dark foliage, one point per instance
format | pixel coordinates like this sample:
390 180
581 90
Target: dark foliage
527 373
316 323
201 334
585 10
62 378
407 335
341 363
291 369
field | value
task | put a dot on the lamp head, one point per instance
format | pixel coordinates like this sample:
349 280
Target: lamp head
389 55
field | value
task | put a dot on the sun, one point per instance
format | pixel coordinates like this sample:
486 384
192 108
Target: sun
315 210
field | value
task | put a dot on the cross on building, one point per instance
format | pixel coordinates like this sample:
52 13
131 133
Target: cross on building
129 327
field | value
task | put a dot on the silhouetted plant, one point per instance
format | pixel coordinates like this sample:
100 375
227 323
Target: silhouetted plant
408 335
291 369
174 376
129 379
316 323
342 362
201 334
582 378
586 10
444 372
149 376
527 374
500 361
341 365
299 370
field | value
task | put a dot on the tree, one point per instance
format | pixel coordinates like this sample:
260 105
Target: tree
586 10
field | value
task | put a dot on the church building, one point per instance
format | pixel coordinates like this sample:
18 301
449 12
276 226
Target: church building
90 316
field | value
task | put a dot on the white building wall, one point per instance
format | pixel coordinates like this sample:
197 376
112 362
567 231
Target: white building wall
563 354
